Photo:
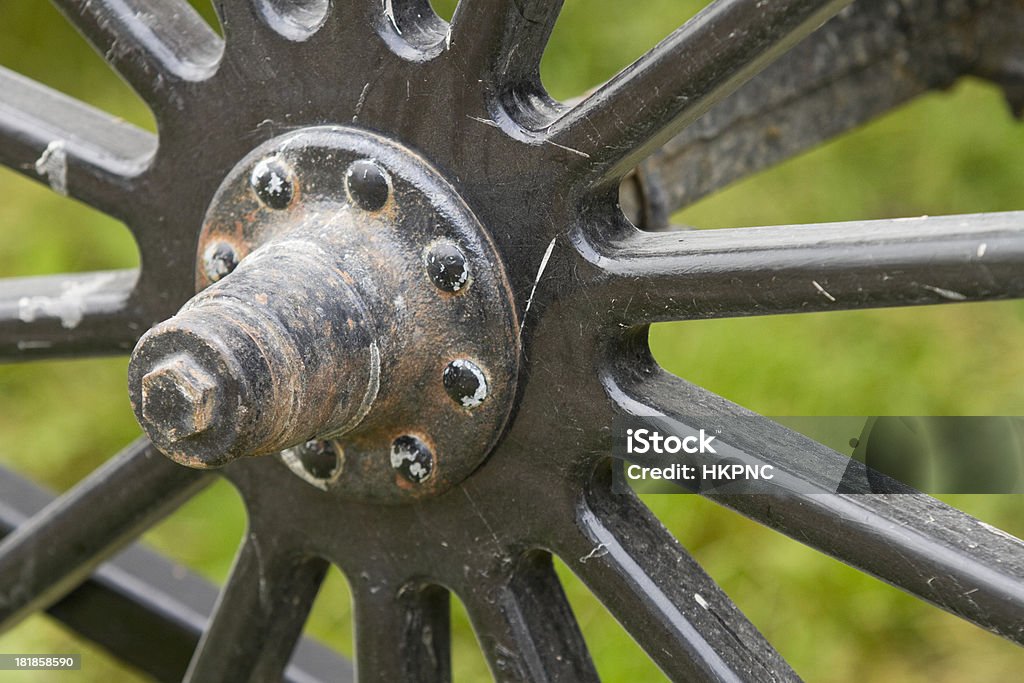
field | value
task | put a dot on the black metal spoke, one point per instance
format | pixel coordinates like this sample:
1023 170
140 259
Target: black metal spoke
659 593
857 66
156 45
68 315
914 542
260 613
68 539
681 78
648 277
140 598
77 150
503 41
520 618
402 634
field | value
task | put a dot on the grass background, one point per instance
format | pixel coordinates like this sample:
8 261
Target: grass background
952 152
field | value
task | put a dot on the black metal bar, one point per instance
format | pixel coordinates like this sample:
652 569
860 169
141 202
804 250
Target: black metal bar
648 277
520 618
914 542
259 614
502 41
402 634
147 610
65 542
65 315
659 593
869 59
76 149
681 78
154 44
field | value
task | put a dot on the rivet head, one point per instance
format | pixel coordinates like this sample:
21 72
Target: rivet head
367 184
412 459
274 183
179 398
219 259
465 383
447 266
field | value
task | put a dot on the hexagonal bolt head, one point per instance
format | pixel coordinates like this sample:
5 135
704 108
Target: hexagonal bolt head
179 398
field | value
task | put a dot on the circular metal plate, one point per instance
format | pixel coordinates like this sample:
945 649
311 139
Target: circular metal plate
387 251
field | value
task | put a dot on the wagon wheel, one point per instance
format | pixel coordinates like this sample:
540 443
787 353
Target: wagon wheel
405 248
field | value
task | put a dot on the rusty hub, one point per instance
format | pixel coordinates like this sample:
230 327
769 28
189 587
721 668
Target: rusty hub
344 289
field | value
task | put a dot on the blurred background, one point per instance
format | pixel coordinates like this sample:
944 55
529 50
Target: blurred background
958 151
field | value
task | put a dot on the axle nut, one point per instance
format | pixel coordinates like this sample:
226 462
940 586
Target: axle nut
180 397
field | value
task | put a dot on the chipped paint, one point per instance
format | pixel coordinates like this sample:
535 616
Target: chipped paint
946 293
599 550
70 306
52 164
821 290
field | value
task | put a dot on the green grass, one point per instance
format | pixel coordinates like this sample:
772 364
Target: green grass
951 152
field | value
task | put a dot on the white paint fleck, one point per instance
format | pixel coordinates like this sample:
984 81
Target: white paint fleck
69 306
821 290
448 38
982 248
568 149
599 550
360 102
946 293
536 280
699 599
52 164
492 124
480 393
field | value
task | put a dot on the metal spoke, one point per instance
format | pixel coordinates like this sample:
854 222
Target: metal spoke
79 151
659 593
68 315
139 599
648 277
260 613
503 41
681 78
156 45
526 627
912 541
868 60
65 542
402 634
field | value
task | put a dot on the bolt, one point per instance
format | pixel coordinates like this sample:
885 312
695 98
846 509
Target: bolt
179 398
367 184
465 383
412 459
447 266
219 259
273 182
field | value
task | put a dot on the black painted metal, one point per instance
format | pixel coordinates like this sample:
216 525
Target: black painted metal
139 598
540 177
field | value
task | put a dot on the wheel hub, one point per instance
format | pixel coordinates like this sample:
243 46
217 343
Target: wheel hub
346 294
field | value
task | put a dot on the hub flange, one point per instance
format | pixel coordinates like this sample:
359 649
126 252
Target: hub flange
340 277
